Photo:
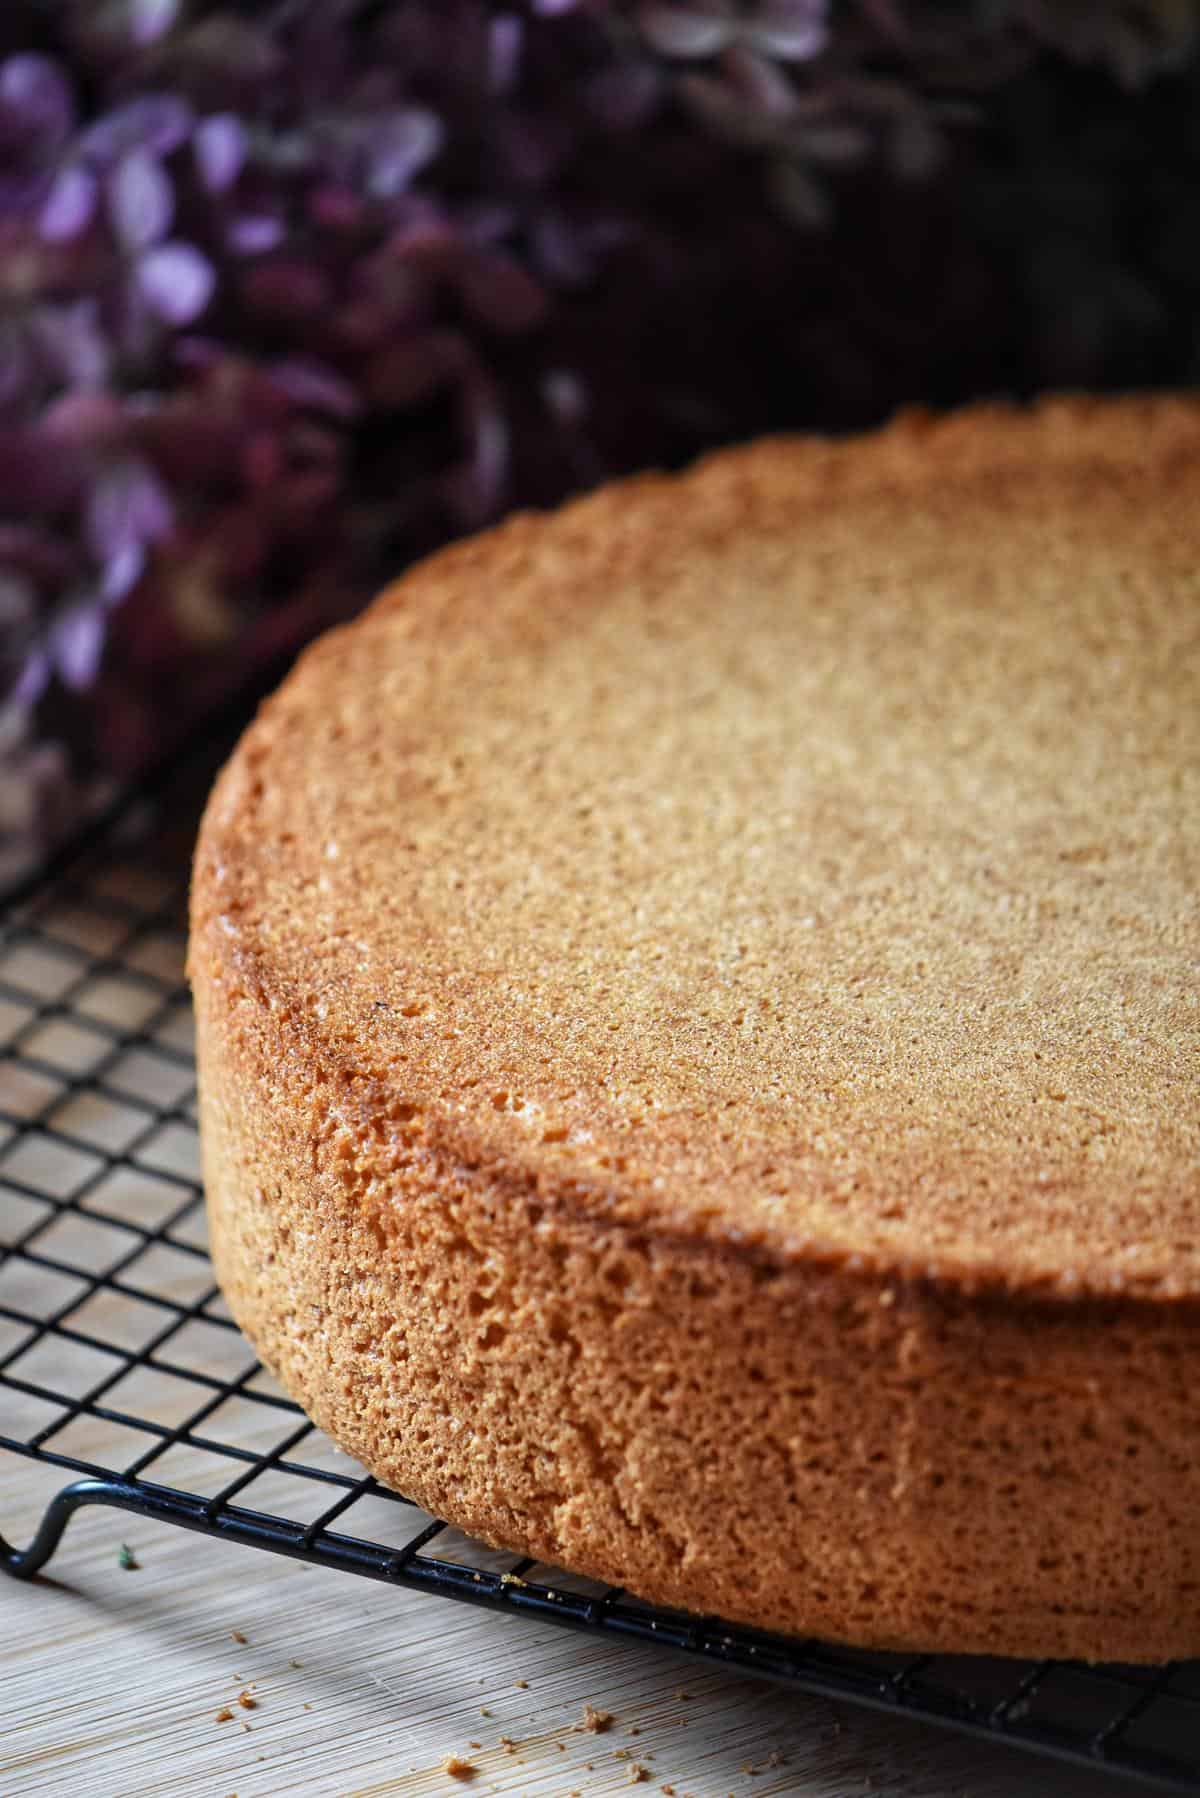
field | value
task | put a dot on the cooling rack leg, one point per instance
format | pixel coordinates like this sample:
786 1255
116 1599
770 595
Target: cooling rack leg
24 1563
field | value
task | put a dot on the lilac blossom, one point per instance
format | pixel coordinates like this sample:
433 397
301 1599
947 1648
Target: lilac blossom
290 294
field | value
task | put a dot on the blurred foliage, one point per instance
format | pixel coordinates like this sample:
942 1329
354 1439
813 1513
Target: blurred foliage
292 292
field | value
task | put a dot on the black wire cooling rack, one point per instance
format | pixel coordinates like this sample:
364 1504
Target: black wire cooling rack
120 1365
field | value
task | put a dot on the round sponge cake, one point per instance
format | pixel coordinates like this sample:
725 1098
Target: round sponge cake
699 1034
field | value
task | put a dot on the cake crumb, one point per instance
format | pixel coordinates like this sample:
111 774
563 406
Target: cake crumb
522 1685
594 1721
483 1711
239 1637
637 1773
308 1707
474 1744
247 1702
458 1768
224 1715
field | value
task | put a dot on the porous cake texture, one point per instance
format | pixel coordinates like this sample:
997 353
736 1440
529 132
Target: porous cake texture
699 1037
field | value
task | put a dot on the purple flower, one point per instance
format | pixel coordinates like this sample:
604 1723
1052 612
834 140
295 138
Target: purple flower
506 37
254 234
400 146
220 146
156 123
311 288
122 572
127 506
36 110
71 344
176 282
141 202
32 681
69 204
76 640
149 20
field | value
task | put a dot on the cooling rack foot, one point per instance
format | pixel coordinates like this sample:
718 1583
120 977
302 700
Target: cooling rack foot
24 1563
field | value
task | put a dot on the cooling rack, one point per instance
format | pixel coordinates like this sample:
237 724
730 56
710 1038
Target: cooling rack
120 1365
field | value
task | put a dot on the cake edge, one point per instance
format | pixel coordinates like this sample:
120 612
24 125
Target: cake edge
814 1451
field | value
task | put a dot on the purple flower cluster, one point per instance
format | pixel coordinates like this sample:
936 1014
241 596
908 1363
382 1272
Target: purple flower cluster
291 293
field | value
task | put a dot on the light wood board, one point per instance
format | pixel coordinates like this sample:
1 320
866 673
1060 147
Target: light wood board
111 1682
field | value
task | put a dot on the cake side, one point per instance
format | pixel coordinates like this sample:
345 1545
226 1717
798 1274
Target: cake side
815 1451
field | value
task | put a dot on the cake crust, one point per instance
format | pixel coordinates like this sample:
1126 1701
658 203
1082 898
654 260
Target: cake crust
698 1034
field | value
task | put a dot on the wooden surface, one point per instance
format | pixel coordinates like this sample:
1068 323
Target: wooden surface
112 1680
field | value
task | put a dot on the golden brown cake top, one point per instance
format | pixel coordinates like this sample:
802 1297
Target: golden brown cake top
804 851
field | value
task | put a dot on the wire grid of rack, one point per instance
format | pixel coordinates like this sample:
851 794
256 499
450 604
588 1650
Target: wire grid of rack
120 1364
